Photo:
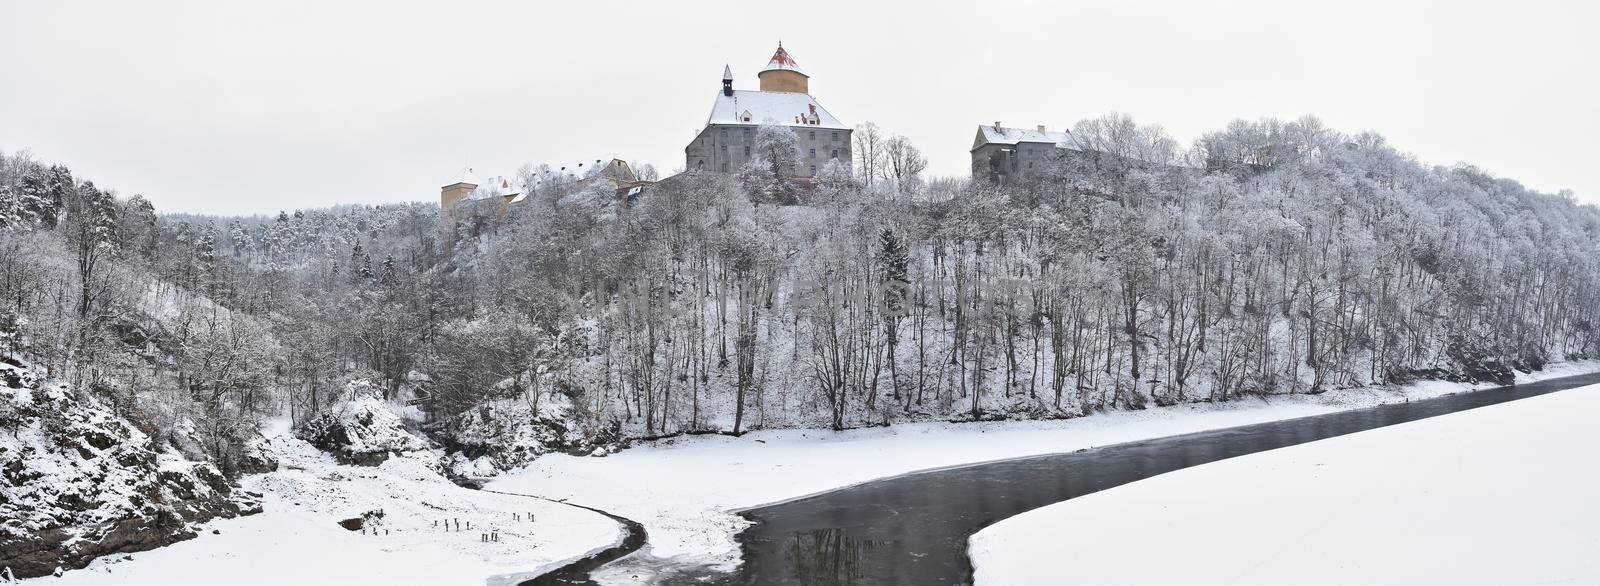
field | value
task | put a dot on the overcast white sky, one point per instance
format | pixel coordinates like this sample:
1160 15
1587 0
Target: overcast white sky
234 107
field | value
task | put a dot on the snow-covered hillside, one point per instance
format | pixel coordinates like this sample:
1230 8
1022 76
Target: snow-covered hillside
79 481
1500 495
403 503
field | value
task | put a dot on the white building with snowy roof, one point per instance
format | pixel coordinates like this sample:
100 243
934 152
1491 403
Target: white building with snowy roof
1001 154
725 144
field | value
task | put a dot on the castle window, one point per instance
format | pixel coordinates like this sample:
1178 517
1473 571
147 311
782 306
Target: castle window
812 154
724 166
813 134
834 154
813 170
746 150
835 137
724 132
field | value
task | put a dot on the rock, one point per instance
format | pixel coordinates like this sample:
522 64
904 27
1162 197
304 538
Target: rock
85 482
363 431
258 458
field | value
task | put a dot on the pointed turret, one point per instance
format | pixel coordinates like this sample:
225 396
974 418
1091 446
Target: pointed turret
783 74
727 80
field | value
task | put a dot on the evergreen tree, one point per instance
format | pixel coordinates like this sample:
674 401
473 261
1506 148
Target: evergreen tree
895 259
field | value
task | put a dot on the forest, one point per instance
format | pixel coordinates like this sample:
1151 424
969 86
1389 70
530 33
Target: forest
1267 257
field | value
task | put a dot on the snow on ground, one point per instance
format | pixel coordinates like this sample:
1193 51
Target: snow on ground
1507 494
685 491
298 539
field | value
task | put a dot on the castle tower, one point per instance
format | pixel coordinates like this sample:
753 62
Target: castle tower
784 75
727 142
454 190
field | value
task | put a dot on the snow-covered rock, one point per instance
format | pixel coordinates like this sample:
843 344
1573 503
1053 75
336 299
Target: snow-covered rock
259 457
504 435
79 481
363 431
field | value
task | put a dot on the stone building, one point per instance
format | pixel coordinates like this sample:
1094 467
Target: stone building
726 142
467 197
1001 154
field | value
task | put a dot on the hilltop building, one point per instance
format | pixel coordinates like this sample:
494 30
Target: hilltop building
467 194
1001 154
725 144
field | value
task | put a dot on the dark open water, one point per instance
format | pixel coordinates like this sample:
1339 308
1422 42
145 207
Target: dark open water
913 529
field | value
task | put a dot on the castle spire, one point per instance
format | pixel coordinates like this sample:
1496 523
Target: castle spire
727 80
783 74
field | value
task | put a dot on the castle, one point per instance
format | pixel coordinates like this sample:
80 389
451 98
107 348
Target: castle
725 144
722 146
1001 154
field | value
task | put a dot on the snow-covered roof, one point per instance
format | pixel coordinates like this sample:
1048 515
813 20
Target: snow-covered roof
464 176
499 187
782 60
790 108
1003 135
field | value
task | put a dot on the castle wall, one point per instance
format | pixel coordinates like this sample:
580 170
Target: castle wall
725 148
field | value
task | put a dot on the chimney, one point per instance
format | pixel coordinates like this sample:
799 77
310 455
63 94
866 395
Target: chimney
997 126
1041 129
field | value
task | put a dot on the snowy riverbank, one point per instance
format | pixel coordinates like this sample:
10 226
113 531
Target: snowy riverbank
297 540
1501 495
685 491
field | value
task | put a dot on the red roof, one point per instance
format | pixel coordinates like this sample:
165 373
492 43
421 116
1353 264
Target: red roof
782 60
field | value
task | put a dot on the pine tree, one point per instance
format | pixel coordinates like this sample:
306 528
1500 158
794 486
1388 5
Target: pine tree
391 274
893 255
238 237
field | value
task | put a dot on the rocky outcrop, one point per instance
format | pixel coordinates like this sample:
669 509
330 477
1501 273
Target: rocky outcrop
502 435
363 431
80 481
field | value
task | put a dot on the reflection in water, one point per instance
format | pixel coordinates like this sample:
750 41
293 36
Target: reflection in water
913 529
829 556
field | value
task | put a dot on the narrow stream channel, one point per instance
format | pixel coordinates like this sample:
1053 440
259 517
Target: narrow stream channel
913 529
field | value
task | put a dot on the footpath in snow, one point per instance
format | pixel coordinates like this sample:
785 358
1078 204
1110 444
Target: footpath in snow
1506 494
686 491
298 540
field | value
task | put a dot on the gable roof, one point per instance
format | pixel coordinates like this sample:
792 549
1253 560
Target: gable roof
990 134
788 108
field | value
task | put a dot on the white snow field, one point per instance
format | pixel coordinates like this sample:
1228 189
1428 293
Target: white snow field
1506 494
297 539
686 491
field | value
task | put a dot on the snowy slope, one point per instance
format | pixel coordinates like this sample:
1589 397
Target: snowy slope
78 480
686 491
1500 495
298 539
